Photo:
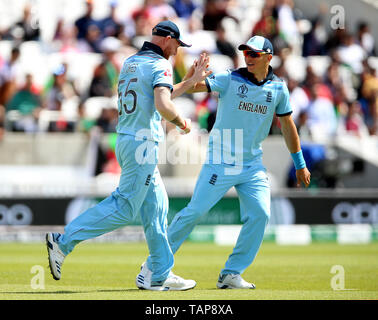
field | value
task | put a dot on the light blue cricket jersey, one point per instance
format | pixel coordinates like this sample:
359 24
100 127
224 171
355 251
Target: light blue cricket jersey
244 115
140 74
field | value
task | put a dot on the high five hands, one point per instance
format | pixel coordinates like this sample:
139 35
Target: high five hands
199 70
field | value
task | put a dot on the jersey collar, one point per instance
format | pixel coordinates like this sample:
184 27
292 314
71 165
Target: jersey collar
153 47
250 76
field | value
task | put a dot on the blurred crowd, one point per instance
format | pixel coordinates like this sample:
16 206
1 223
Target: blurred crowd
342 100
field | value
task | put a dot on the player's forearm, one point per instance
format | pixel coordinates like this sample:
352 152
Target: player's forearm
290 133
166 108
293 143
182 87
194 80
169 113
197 87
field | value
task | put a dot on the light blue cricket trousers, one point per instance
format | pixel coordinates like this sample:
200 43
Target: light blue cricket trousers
253 190
140 190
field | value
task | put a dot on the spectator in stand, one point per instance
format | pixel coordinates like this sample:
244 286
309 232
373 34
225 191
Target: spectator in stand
281 72
27 102
128 30
335 40
179 67
27 29
287 25
92 40
108 119
142 20
101 85
303 129
267 25
214 12
314 41
321 113
109 47
59 30
312 80
368 97
354 123
110 164
105 79
225 47
54 97
160 10
61 90
149 14
351 53
345 75
69 82
66 40
206 110
298 100
201 40
365 38
184 8
8 72
282 55
110 26
334 82
84 123
88 31
83 23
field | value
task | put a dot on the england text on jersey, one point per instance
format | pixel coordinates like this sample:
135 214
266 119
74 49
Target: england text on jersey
251 107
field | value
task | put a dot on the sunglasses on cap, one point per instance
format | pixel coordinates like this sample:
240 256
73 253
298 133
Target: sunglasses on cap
253 54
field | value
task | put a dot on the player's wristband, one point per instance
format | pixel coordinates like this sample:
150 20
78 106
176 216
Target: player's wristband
299 161
184 126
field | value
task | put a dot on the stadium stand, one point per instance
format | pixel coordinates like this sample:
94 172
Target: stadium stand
68 112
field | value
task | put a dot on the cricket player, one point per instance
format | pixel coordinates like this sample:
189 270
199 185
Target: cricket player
248 99
144 97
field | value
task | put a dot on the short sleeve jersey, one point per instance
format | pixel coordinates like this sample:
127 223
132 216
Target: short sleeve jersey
140 75
244 115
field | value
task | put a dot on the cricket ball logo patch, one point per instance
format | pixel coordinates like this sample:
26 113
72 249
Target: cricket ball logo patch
242 91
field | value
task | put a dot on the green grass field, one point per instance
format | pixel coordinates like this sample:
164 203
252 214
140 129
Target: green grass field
107 271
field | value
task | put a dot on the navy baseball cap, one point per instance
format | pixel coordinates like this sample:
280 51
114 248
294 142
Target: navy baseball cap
259 44
168 28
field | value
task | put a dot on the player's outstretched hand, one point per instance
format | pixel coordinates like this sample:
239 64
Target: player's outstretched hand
200 68
303 176
190 72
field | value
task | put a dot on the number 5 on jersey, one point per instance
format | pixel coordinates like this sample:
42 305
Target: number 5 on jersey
127 92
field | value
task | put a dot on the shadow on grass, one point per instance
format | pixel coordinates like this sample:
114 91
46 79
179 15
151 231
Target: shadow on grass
69 292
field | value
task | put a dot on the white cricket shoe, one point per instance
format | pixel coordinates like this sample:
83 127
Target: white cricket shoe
233 281
172 283
56 256
144 276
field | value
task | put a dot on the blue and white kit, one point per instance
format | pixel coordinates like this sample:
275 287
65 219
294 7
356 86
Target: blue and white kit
141 190
244 117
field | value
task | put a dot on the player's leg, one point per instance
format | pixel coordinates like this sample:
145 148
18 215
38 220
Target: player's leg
120 207
108 215
154 213
156 271
138 161
254 197
211 186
